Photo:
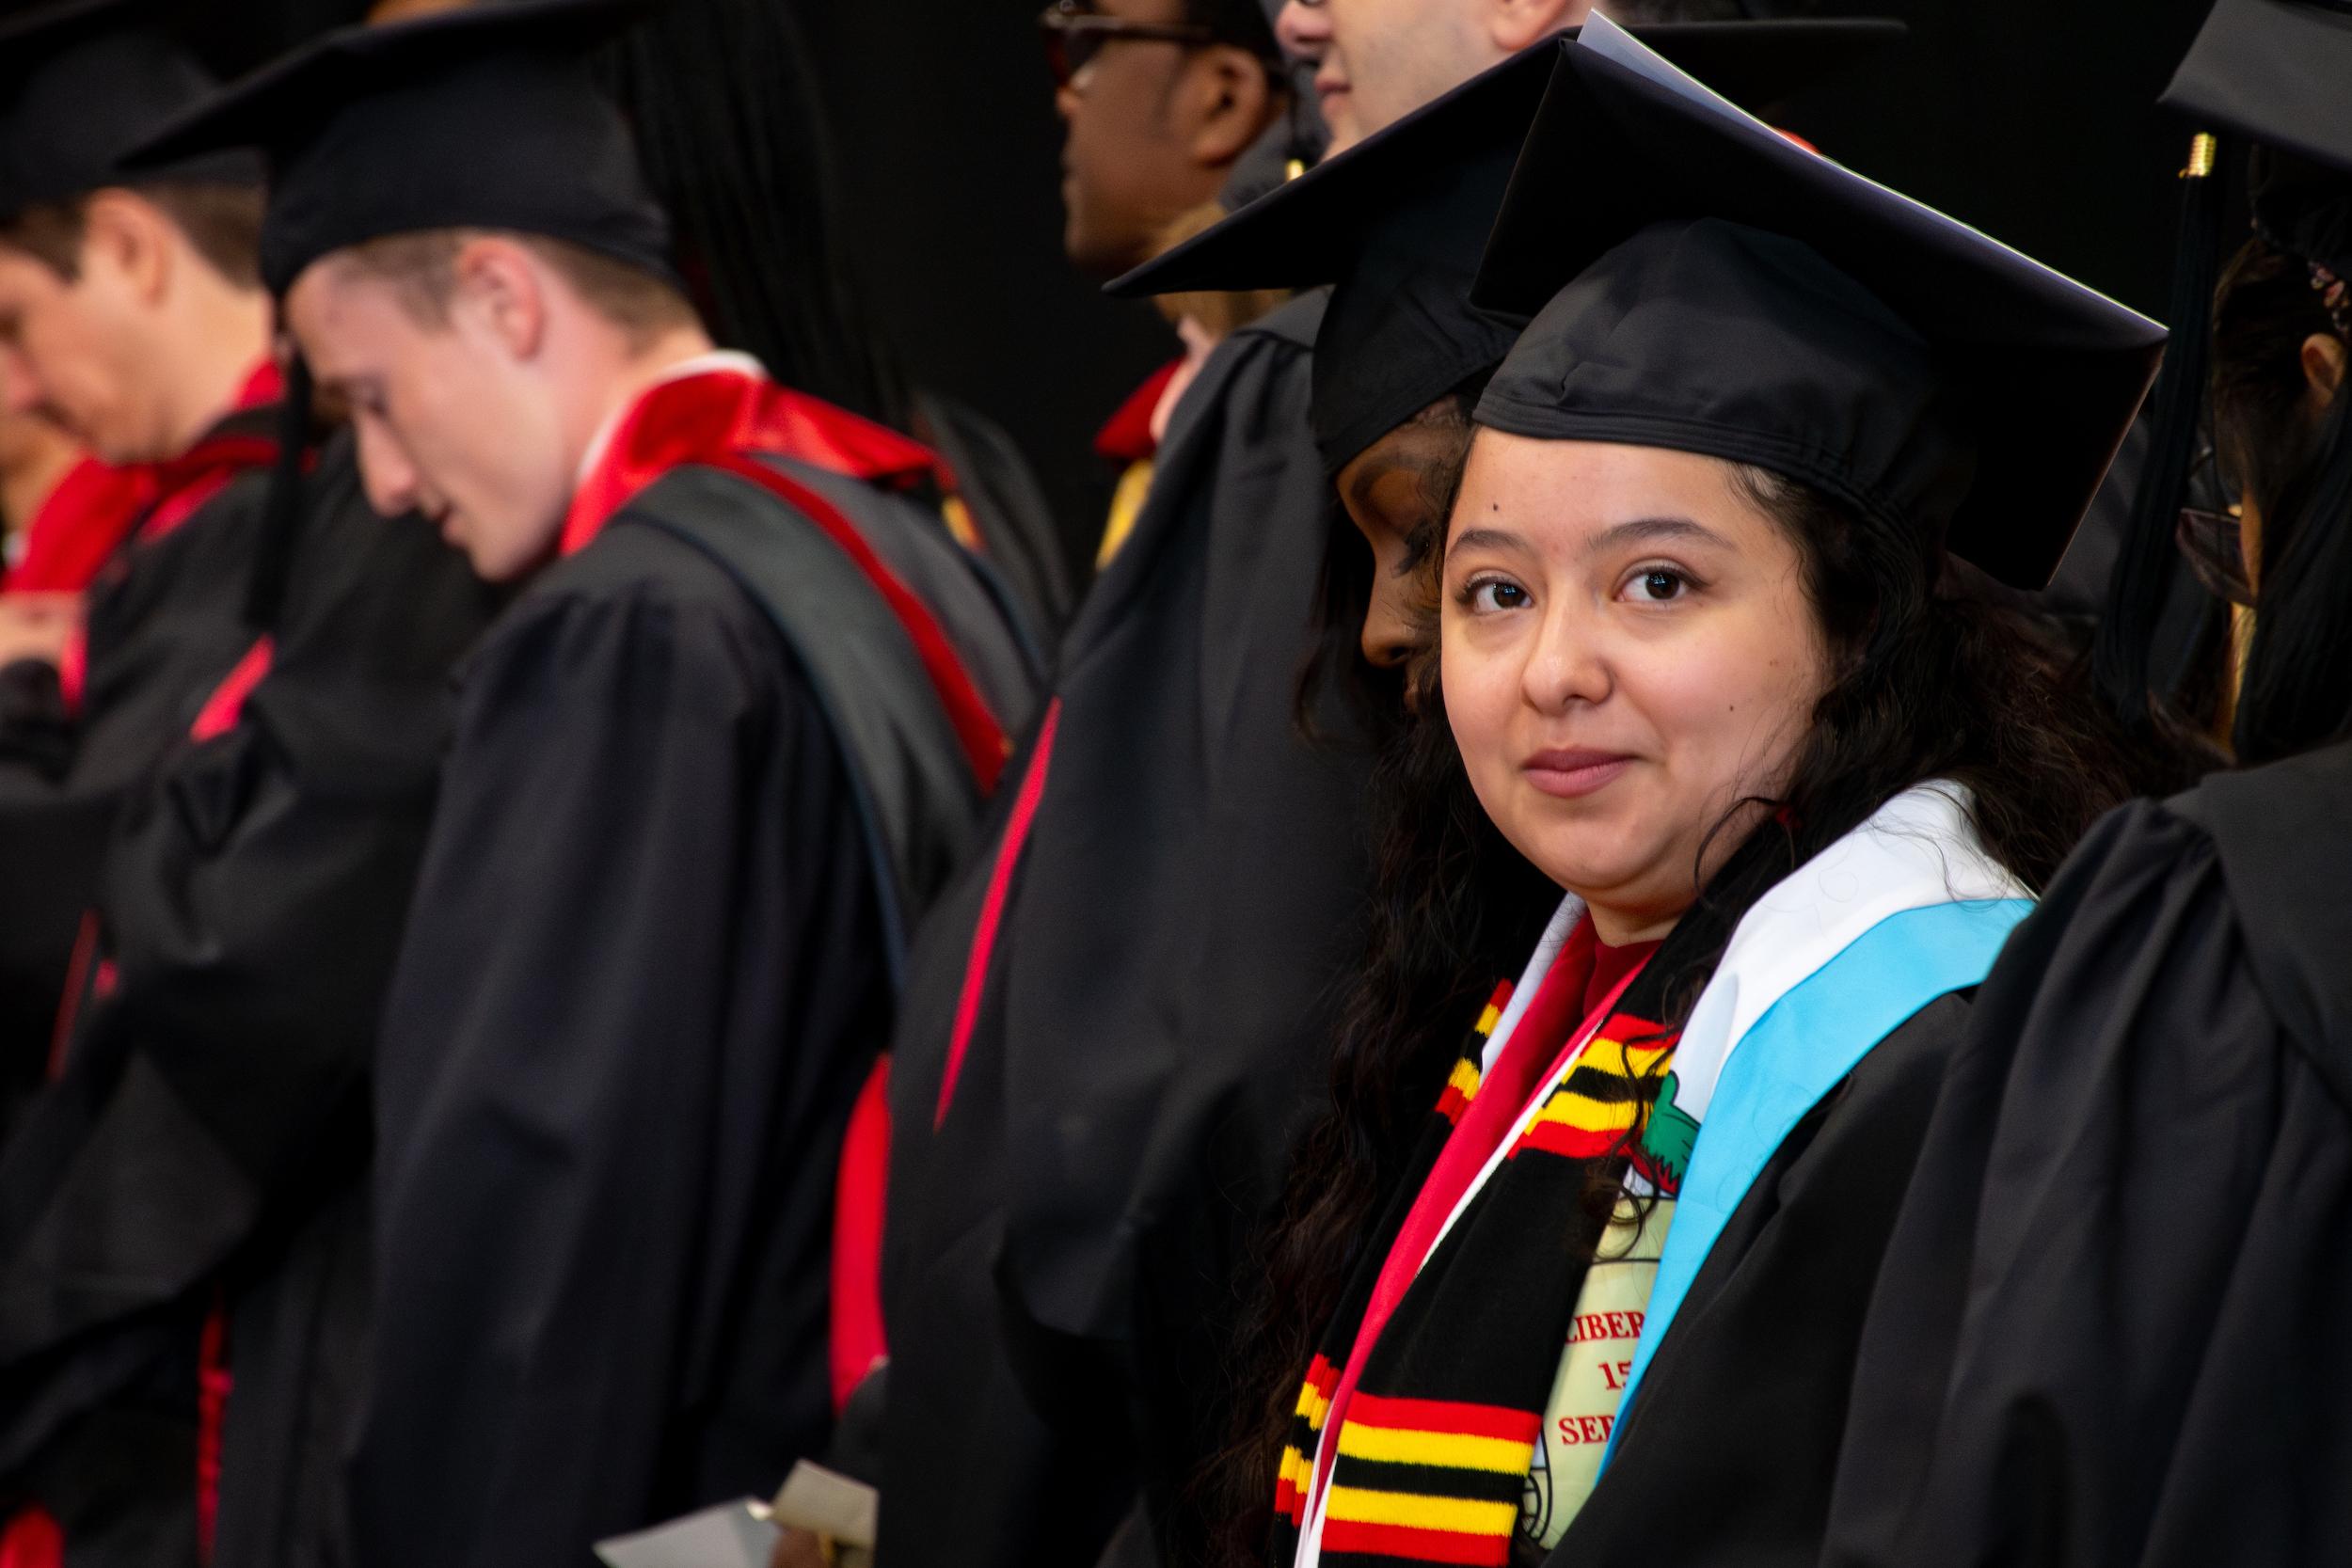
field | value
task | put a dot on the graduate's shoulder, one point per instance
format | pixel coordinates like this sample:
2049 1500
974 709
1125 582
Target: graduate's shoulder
1255 384
638 608
2281 837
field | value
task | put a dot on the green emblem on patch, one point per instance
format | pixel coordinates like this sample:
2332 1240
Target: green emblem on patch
1668 1134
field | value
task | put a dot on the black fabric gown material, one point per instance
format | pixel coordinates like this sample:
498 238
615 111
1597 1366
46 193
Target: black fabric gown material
1062 1257
1729 1450
164 628
2111 1325
203 1151
643 980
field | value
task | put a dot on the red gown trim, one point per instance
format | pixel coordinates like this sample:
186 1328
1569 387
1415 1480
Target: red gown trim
32 1540
173 491
222 709
77 525
214 1383
993 909
677 422
858 1214
726 420
1127 436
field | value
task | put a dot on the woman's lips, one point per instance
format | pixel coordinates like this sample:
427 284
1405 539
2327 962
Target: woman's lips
1568 774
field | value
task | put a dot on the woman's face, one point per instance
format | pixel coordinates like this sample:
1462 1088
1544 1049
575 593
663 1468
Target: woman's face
1627 651
1393 491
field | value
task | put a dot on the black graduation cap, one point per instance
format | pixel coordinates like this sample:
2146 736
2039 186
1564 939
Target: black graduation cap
1707 284
2279 71
1397 223
485 117
84 82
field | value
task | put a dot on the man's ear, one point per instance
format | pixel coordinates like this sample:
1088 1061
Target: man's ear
1231 97
126 239
497 285
2324 358
1515 24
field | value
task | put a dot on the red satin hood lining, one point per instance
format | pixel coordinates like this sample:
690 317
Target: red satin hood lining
86 518
1127 437
698 417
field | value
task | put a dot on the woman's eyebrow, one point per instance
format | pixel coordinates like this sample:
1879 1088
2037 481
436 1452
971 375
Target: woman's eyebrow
1487 539
1653 531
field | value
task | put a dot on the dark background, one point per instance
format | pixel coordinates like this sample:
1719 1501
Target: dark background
2034 119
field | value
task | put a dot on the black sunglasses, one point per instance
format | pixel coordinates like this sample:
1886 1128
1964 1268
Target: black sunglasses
1074 35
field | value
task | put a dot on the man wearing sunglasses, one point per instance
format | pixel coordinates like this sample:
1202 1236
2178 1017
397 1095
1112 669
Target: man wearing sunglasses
1161 98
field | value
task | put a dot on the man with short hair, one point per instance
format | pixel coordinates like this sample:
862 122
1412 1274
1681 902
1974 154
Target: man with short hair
1161 99
710 764
210 809
144 345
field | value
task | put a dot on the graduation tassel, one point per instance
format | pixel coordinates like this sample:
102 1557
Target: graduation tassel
2145 569
281 508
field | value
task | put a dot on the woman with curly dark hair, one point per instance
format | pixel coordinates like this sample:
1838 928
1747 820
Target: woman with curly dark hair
1707 667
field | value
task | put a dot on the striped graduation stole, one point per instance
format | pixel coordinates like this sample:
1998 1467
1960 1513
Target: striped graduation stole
1296 1474
1443 1479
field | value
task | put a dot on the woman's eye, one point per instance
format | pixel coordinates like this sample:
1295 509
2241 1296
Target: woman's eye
1493 593
1658 585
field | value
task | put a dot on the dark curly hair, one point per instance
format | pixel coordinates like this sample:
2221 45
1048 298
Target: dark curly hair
1933 681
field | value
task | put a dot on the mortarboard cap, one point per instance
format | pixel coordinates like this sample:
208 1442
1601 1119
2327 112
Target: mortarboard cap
1397 223
483 117
82 83
1705 284
2279 73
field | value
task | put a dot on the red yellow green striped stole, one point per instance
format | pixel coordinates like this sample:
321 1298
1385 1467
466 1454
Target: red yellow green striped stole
1431 1461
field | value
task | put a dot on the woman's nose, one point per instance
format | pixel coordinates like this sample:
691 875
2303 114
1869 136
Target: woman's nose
1568 664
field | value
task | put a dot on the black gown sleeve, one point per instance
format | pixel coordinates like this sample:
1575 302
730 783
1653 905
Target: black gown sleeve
641 985
2110 1329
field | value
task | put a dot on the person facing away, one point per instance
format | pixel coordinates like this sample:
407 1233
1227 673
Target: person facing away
708 765
2116 1284
1717 688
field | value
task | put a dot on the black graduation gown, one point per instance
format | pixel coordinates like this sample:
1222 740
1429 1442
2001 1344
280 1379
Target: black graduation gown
2111 1329
163 628
644 978
1020 539
200 1159
1062 1255
1729 1450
